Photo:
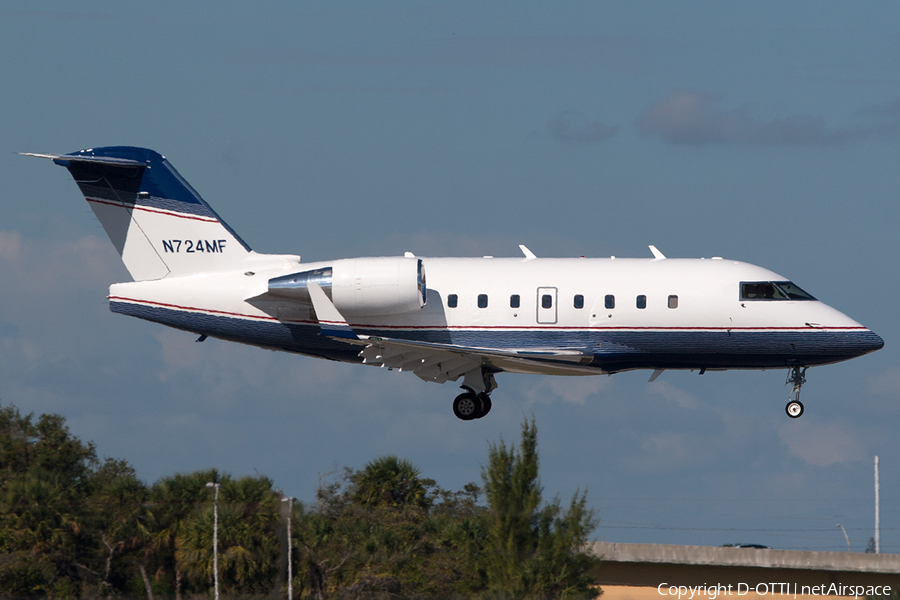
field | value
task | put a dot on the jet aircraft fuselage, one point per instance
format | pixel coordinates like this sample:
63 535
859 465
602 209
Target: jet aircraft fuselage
618 314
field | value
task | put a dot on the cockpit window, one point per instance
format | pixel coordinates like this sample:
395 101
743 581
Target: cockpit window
772 290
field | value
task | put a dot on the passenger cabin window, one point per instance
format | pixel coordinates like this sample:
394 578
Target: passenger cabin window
642 301
609 301
482 300
673 301
546 301
772 290
579 301
452 300
514 301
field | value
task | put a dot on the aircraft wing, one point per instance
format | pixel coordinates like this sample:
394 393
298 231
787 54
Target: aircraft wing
433 361
442 362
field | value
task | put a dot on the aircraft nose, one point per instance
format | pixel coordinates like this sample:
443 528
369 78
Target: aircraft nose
860 342
871 342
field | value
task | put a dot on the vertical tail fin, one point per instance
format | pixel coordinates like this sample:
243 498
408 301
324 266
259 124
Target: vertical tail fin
159 224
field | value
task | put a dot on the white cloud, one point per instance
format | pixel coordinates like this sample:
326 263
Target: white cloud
688 117
667 446
10 246
673 394
56 268
568 389
824 445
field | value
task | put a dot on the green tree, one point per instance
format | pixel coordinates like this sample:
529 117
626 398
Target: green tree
389 481
532 552
174 502
73 526
39 531
117 505
248 542
44 525
70 525
385 531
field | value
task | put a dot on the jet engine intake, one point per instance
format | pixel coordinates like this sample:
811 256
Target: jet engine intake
360 287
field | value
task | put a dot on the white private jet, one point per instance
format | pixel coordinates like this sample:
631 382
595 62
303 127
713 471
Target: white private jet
476 317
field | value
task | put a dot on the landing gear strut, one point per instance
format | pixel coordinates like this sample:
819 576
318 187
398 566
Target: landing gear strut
797 377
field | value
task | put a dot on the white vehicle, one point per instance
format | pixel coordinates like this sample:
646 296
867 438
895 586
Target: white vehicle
474 318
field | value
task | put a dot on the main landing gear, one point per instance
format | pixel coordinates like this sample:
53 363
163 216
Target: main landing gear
475 401
469 405
797 377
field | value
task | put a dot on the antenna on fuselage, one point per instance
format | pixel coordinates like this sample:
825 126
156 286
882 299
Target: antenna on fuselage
656 253
529 255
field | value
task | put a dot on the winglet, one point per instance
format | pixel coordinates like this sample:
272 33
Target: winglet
656 253
529 255
331 322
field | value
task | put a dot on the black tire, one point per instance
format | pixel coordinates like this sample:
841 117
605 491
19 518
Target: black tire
485 405
794 409
466 406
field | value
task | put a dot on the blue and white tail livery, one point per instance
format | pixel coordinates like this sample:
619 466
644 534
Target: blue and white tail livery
473 318
157 222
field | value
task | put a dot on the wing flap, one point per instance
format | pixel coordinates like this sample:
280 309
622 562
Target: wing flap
447 362
574 355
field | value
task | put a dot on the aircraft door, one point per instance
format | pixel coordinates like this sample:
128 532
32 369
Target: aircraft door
546 305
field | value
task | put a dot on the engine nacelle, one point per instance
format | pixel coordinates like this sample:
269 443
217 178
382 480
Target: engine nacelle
361 287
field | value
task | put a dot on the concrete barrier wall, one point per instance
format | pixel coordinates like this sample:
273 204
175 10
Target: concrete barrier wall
747 557
654 564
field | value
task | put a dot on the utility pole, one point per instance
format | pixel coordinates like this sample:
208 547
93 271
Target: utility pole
877 512
290 501
215 486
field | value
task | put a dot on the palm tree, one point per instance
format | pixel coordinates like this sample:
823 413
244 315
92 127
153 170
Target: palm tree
389 481
40 526
174 502
248 544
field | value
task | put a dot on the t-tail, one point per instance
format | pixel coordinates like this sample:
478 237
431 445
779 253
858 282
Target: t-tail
158 223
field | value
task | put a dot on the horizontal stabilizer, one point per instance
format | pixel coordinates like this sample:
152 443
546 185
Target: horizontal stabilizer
64 159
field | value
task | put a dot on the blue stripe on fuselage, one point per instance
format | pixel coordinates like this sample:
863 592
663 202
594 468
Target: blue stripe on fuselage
614 350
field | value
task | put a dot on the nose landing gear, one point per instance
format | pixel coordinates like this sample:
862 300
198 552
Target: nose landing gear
797 377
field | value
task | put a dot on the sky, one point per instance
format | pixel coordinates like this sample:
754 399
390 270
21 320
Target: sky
763 132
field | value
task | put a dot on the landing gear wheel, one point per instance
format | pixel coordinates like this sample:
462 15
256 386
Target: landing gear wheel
467 406
794 409
485 405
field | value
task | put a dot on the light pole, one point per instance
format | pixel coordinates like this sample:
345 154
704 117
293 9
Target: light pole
877 509
215 486
846 537
290 501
